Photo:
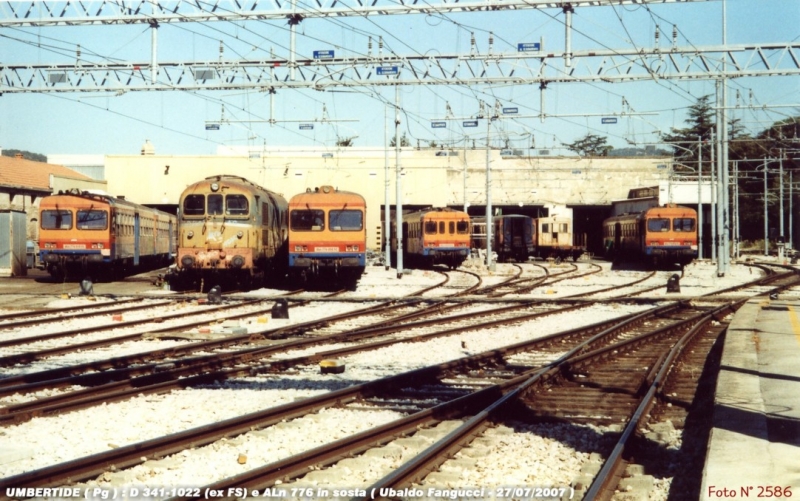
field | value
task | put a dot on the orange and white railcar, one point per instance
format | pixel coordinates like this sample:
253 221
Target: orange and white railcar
659 235
434 236
327 235
88 234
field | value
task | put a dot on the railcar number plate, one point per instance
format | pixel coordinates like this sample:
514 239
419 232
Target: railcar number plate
74 246
326 249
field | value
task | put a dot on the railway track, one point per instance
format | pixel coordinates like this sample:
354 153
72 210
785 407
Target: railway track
488 374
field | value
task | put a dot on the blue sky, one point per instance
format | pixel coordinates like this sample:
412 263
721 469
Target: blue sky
174 121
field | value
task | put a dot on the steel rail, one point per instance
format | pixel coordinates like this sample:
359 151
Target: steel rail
608 477
191 372
51 311
130 455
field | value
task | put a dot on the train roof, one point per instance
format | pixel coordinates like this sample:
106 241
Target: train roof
666 209
436 210
241 182
95 197
330 196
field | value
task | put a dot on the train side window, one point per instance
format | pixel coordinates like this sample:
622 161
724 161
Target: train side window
658 224
545 227
451 227
307 220
462 227
346 220
92 220
194 205
214 204
236 205
56 220
564 228
441 227
683 224
430 227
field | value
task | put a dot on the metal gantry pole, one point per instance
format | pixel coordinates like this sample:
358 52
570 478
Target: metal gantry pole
766 213
465 173
387 223
398 216
489 218
699 197
714 210
736 226
780 214
154 51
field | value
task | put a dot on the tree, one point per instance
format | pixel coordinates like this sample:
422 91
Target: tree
403 141
27 155
345 141
590 145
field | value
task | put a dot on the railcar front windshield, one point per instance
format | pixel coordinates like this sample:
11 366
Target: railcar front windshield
462 227
56 220
307 220
346 220
92 220
658 224
430 227
683 224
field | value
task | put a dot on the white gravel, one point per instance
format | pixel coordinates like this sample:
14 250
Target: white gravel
513 456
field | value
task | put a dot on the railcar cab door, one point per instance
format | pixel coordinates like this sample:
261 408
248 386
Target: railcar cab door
617 236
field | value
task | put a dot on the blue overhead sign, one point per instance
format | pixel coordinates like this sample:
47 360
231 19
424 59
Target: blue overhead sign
306 126
212 126
608 120
510 111
529 47
387 70
323 54
470 123
439 125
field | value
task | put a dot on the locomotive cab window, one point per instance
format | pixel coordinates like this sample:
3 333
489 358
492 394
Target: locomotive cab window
683 224
56 220
430 227
214 207
658 224
236 205
346 220
307 220
92 220
462 227
194 205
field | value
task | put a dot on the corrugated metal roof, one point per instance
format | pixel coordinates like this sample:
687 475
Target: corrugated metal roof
30 174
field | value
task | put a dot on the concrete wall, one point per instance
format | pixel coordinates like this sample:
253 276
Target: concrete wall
428 179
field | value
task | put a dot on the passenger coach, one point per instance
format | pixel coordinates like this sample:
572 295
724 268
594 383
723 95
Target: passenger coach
103 237
327 235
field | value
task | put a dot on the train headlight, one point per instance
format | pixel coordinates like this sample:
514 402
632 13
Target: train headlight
239 234
237 262
352 248
187 261
300 248
50 246
190 234
97 246
214 187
